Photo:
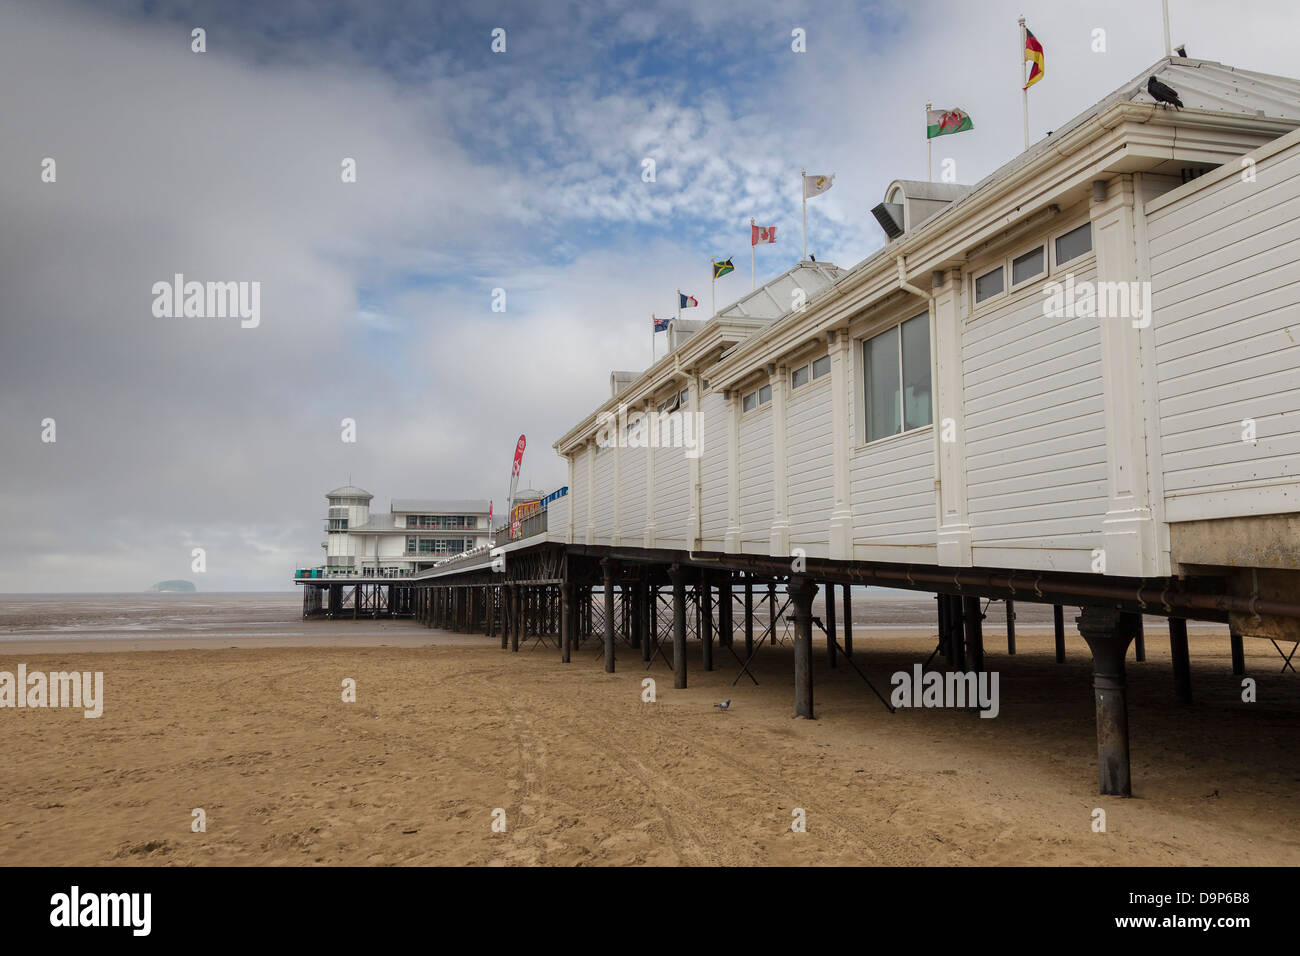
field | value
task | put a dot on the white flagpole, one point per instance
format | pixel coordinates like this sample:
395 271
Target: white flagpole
1168 49
929 166
753 272
713 289
1024 92
652 338
803 192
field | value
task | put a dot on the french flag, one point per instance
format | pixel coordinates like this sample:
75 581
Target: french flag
687 301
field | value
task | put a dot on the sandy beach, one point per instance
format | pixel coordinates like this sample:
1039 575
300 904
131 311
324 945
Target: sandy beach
448 728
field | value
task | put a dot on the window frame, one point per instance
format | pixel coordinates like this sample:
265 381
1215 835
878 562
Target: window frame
861 384
1051 265
813 367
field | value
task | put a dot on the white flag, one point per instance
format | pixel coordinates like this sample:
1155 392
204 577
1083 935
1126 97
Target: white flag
816 185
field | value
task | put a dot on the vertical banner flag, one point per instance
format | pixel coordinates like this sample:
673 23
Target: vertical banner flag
1034 55
514 475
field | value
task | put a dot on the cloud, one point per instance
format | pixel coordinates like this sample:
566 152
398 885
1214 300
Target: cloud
475 171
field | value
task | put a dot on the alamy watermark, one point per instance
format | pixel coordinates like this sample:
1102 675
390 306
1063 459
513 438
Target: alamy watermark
946 689
651 429
57 689
1105 300
208 300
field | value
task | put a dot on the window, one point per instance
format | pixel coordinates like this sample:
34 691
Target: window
749 402
821 366
896 368
765 394
799 376
988 285
1025 267
1074 243
684 397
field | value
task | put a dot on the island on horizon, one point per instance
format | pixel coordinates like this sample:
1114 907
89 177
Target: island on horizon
174 586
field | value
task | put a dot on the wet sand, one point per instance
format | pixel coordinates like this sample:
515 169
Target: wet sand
448 728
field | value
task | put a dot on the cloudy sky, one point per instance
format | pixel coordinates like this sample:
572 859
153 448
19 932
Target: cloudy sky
476 170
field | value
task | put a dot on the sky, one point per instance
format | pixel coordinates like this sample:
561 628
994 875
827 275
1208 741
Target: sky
476 171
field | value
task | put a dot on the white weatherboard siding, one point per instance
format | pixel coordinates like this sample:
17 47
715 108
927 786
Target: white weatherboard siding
1225 276
756 484
891 485
604 499
808 463
672 497
578 495
713 471
632 463
1035 433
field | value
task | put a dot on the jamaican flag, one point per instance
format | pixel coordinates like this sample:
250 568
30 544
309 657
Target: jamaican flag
720 269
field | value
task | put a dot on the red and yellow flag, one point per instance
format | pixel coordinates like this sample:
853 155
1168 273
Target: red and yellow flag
1034 54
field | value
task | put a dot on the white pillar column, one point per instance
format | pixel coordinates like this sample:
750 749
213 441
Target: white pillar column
591 491
954 536
1129 528
840 543
733 545
780 537
651 442
693 463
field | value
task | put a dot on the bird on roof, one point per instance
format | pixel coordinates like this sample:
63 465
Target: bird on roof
1163 94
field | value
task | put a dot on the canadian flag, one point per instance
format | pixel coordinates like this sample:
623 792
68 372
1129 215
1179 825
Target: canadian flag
761 234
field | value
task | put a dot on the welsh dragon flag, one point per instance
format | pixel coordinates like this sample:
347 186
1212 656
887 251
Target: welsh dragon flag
943 122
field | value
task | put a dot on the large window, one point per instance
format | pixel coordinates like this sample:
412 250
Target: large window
896 383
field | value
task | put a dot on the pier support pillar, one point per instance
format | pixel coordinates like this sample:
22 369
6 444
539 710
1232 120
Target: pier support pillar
974 633
848 623
956 632
706 619
516 617
678 577
771 612
749 616
1140 641
649 620
607 575
830 625
801 592
1058 622
1238 652
726 598
1182 661
1011 627
1108 633
567 621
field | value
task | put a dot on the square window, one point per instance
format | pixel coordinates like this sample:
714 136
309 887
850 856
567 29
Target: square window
1025 267
1074 243
799 376
765 394
749 402
988 285
821 366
